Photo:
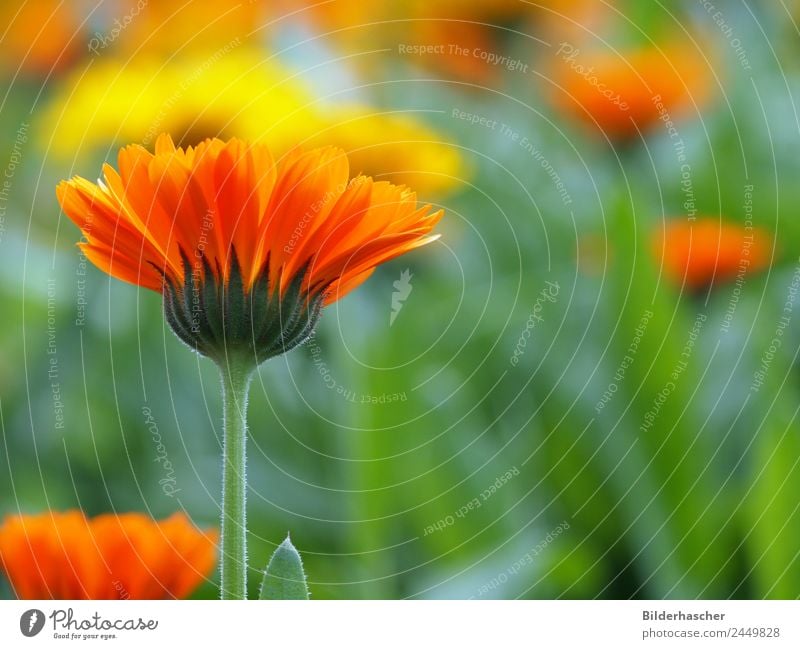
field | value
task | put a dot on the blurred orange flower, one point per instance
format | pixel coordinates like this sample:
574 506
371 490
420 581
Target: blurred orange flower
465 40
246 250
39 37
127 556
624 92
156 26
709 250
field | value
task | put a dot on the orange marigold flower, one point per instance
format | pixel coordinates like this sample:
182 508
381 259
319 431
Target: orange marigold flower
708 250
466 38
245 250
154 26
628 91
66 555
40 37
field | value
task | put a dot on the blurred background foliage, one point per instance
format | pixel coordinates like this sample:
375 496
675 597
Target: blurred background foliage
370 441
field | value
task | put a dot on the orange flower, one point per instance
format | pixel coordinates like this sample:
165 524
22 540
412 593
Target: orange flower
155 26
245 250
620 91
39 37
462 34
128 556
708 250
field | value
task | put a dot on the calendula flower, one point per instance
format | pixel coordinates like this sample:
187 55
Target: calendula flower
236 90
461 35
468 41
708 250
40 37
66 555
246 251
629 90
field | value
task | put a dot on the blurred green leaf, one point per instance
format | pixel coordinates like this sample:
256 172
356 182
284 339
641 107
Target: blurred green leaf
772 508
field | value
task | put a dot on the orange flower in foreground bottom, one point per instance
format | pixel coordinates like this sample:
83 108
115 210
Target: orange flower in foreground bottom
127 556
709 250
246 250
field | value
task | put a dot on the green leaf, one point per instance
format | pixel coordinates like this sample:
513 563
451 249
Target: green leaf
284 577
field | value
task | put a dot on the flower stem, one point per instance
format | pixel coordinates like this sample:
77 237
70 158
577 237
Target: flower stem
236 375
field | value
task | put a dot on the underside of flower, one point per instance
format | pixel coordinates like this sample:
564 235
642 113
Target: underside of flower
216 317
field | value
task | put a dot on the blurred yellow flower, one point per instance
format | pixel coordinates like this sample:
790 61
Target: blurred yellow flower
236 92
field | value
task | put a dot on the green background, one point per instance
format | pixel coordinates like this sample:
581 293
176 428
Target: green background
704 503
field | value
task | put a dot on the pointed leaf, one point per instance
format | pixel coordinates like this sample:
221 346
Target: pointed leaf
284 577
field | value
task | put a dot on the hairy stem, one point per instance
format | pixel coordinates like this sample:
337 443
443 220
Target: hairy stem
236 375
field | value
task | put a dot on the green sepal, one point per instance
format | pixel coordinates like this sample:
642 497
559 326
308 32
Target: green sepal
217 318
235 318
284 577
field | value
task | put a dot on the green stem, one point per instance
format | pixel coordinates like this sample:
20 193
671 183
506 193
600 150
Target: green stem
236 375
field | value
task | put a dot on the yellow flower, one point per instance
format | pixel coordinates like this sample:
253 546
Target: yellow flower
236 92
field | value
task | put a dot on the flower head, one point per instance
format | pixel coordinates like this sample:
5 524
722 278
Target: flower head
627 91
113 556
708 250
466 29
245 249
39 37
155 26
